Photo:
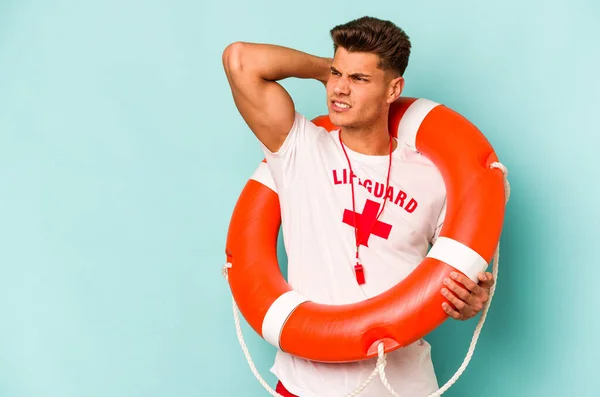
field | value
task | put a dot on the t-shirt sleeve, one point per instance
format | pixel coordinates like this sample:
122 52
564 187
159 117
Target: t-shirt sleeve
297 136
295 150
439 224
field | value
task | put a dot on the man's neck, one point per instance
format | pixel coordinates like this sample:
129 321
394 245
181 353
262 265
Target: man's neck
373 142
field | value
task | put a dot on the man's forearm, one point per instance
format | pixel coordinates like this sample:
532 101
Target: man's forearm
272 62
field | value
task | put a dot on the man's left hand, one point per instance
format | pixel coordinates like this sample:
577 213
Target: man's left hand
468 299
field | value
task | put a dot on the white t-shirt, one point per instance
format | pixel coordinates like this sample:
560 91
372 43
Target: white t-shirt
312 178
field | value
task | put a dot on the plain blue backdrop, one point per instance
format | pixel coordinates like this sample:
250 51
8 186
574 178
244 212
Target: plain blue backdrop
122 156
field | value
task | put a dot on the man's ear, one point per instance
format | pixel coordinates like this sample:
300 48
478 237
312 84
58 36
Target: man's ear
396 88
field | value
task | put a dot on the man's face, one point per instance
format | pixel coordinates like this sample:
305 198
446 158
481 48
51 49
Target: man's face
358 92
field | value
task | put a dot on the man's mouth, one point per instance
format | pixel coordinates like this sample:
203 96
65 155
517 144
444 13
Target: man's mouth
339 105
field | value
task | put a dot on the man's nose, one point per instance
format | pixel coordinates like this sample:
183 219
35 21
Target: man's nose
342 86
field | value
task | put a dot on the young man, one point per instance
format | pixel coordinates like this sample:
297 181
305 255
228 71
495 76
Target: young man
325 179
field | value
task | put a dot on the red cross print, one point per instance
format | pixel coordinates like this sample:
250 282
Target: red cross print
366 222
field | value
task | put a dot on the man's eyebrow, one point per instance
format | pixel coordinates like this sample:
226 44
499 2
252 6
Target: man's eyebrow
362 75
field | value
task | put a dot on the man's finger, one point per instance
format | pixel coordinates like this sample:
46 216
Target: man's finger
450 311
458 304
486 280
461 292
464 280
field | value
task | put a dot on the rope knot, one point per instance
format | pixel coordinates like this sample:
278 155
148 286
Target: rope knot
502 167
225 270
381 361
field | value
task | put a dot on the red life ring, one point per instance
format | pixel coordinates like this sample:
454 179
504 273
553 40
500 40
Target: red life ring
410 309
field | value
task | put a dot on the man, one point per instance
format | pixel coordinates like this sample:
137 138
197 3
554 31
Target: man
325 180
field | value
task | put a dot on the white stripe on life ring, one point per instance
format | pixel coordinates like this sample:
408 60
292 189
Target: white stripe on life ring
263 175
459 256
411 121
278 314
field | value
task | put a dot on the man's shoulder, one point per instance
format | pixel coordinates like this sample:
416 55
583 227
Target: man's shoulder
411 155
301 136
423 169
316 130
318 123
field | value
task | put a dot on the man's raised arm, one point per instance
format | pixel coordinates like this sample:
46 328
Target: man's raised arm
253 71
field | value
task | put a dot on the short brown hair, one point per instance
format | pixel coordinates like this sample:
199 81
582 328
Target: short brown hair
384 38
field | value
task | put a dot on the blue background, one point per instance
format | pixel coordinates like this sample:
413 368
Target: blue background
122 156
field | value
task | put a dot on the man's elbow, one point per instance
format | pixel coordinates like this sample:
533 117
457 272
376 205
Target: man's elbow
232 57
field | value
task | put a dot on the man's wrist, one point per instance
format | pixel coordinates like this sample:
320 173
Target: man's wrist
326 70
